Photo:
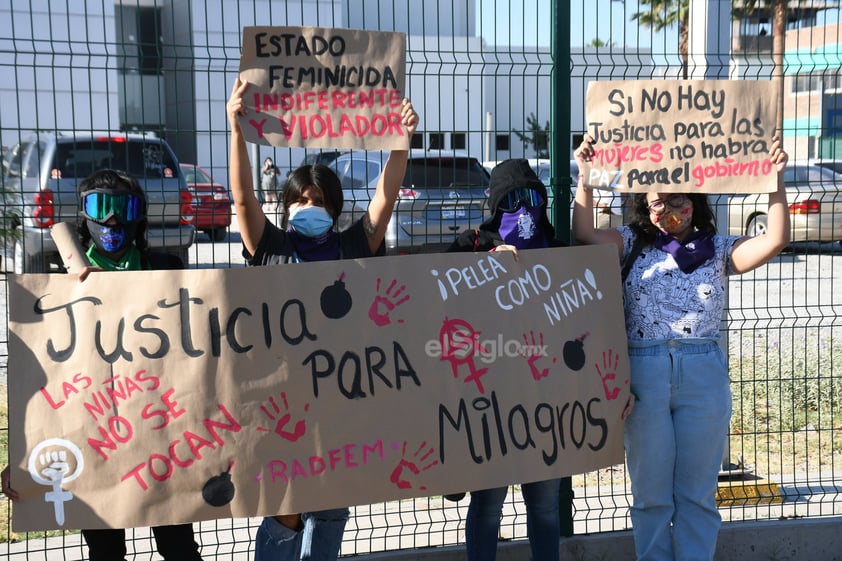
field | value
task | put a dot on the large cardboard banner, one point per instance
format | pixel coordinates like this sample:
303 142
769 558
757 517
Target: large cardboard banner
160 397
324 87
682 135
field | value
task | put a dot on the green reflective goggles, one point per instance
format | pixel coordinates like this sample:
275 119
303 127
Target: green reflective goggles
100 206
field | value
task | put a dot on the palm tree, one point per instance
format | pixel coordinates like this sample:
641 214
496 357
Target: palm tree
665 13
599 43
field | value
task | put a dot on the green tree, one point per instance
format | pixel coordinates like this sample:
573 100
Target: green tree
599 43
665 13
536 136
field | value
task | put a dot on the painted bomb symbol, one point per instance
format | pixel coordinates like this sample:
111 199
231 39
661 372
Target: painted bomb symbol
336 300
219 490
574 352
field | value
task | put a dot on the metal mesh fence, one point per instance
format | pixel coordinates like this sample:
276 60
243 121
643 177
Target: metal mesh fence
483 74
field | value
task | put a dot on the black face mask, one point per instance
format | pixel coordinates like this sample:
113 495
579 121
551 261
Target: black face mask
112 239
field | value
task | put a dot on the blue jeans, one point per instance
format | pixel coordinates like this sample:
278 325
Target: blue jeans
319 540
675 441
542 526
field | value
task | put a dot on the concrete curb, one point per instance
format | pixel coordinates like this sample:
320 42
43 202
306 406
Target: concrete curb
777 540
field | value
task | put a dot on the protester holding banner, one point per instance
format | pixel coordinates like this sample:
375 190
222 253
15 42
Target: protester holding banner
112 228
519 200
674 299
312 196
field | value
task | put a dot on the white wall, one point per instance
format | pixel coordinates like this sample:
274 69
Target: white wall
50 76
453 80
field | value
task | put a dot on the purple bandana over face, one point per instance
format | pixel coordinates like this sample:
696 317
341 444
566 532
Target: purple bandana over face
696 248
522 228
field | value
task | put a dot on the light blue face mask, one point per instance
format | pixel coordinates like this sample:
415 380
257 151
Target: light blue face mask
310 221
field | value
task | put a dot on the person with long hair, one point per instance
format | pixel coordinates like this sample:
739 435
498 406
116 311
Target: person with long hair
112 229
312 197
678 417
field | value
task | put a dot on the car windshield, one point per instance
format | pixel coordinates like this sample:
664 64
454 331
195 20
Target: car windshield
138 158
195 175
445 173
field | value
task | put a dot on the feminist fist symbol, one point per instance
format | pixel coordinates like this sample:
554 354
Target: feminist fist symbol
412 465
383 305
282 421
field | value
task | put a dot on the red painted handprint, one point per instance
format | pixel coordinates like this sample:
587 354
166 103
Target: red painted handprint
608 372
418 458
385 303
534 350
283 421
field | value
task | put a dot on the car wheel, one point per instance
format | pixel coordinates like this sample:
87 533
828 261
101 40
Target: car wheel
25 263
757 226
216 234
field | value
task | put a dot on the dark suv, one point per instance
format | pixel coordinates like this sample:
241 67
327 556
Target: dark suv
441 195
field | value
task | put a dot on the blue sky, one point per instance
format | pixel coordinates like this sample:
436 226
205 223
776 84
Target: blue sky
513 22
527 22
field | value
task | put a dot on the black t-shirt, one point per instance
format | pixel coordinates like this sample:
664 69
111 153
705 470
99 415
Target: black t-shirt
275 246
162 262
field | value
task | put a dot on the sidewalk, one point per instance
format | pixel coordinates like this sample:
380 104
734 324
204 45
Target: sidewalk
433 529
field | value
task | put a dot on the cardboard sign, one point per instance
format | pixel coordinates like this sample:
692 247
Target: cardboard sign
683 136
324 87
162 397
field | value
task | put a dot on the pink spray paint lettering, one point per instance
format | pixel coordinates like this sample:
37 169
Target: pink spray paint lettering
349 456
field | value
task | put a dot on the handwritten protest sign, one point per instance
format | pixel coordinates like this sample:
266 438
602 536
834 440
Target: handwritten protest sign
682 135
324 87
160 397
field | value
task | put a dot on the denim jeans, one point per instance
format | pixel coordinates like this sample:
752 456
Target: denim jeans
675 441
483 522
319 540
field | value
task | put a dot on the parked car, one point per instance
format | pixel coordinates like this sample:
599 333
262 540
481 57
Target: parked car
211 202
321 157
44 170
815 205
833 165
442 194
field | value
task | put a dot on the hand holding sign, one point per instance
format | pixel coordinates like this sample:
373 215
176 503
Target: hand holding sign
681 135
324 87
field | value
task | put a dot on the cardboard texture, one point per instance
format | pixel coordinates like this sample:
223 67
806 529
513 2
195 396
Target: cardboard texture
324 87
160 397
708 136
67 242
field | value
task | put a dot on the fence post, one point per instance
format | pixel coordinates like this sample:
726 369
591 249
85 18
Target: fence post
560 177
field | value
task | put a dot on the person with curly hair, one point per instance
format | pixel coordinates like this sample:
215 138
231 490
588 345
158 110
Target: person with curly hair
674 297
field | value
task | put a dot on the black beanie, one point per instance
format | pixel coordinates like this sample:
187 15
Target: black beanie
507 176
